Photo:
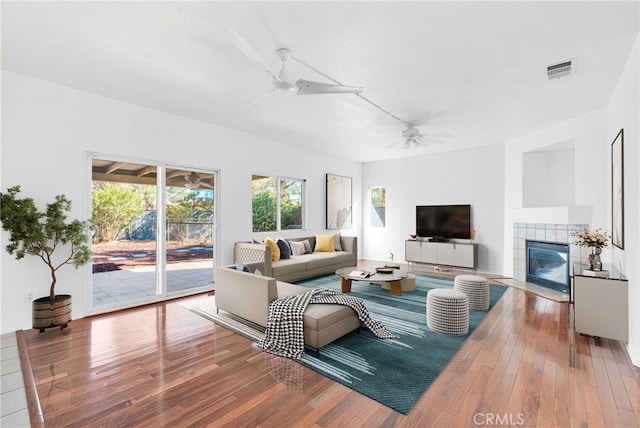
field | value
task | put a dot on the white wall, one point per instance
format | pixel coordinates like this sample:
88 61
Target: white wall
474 176
591 179
48 129
624 113
548 179
593 134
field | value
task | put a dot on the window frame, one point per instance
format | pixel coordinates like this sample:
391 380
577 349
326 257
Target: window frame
278 198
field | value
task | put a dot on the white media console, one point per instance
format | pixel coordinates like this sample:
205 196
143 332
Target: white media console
441 253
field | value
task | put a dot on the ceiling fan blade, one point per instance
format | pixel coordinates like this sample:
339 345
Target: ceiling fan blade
248 50
308 87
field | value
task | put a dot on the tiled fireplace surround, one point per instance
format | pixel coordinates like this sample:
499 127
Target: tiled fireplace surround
559 233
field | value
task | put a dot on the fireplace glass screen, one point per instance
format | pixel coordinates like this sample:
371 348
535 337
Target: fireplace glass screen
548 265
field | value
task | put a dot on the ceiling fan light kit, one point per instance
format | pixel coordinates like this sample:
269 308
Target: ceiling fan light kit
411 133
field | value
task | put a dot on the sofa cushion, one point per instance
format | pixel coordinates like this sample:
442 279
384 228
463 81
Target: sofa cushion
307 246
325 243
319 316
319 260
285 249
337 245
285 289
275 250
288 266
297 248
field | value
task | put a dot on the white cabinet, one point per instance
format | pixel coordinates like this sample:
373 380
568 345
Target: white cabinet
441 253
601 307
412 251
465 255
445 253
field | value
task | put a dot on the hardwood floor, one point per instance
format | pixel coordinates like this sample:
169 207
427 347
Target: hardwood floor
162 365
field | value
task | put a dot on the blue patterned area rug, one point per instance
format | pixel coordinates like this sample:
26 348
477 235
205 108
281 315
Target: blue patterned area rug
394 372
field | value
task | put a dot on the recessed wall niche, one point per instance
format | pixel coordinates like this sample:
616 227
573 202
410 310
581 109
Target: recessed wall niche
549 176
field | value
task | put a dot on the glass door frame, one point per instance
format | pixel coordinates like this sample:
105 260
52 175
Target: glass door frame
161 272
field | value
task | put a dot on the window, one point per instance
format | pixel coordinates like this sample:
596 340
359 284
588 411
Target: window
277 203
377 198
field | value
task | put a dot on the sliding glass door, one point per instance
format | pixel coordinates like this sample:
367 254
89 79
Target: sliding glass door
153 232
189 207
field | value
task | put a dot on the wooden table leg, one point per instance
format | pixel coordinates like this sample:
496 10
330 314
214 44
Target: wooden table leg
346 285
396 288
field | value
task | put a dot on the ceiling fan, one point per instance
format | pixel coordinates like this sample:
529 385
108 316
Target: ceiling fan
412 138
192 181
283 82
197 181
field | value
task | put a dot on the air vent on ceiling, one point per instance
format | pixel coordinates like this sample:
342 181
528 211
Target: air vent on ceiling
561 69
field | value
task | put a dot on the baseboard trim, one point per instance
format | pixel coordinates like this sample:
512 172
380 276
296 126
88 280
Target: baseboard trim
633 356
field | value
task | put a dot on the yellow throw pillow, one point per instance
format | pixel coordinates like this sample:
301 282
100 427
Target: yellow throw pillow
275 250
325 243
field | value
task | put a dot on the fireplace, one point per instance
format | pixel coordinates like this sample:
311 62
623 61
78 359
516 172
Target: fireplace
548 264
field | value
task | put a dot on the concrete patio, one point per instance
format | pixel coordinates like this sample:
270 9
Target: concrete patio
124 285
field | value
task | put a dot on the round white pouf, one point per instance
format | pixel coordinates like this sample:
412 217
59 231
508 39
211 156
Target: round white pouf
476 288
448 312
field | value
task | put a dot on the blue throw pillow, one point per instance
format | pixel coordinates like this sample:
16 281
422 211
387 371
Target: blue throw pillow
285 250
242 267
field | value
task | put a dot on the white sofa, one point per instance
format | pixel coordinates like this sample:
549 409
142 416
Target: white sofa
248 296
298 266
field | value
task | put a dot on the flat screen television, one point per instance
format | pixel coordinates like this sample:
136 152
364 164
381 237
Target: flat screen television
443 222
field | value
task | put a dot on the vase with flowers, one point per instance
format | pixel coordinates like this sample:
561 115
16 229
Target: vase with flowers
596 240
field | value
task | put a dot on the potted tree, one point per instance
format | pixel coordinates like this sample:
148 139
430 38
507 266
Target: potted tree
43 233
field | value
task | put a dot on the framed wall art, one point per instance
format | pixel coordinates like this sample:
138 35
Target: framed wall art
338 202
617 190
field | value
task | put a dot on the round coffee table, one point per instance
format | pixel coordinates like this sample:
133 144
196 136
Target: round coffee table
393 278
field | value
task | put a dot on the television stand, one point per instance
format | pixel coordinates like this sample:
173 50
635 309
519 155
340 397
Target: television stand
442 253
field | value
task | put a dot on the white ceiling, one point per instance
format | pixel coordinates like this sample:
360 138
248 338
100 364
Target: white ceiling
467 73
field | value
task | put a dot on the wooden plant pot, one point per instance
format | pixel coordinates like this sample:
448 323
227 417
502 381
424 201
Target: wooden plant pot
47 313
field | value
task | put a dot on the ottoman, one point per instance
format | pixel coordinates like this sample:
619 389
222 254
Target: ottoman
448 312
476 288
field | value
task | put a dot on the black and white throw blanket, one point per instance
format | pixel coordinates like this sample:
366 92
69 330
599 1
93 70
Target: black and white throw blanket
284 335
